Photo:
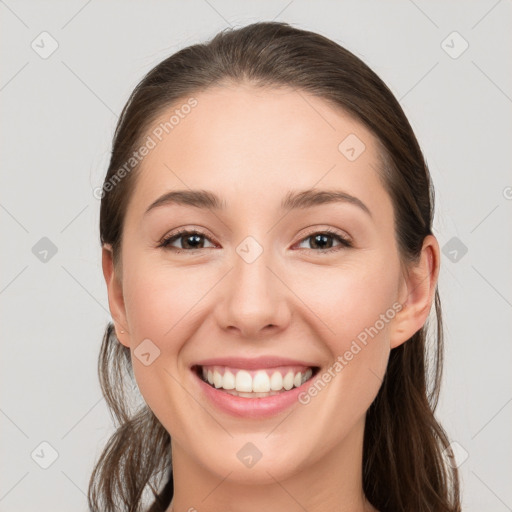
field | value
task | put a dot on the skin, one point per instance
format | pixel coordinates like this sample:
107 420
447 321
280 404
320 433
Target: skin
250 146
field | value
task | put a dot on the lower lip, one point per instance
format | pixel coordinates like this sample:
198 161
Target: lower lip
252 407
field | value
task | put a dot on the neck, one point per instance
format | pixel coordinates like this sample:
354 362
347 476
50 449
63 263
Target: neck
331 482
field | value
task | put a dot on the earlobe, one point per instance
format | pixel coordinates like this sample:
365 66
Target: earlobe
115 295
417 293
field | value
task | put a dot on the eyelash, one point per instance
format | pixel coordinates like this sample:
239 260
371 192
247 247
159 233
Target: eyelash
345 242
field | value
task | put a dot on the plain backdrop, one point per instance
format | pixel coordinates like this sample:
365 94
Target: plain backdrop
67 69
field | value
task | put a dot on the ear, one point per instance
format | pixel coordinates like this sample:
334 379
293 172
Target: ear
417 292
115 295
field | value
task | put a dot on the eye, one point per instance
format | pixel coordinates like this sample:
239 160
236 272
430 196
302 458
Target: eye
323 241
190 240
193 239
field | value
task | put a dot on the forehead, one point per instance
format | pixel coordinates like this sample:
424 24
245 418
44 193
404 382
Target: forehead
245 143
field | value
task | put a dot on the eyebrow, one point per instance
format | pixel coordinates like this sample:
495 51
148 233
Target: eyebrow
292 200
314 197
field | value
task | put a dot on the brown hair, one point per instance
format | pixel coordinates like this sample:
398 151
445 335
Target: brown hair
404 467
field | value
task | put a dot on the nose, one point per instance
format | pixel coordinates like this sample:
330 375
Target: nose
253 301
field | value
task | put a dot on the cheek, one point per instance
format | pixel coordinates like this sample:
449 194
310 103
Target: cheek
163 305
353 301
359 350
354 308
159 305
364 312
159 299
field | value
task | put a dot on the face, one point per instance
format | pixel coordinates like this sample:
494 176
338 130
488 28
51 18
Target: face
313 287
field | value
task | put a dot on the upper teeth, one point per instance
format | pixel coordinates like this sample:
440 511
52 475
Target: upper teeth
259 382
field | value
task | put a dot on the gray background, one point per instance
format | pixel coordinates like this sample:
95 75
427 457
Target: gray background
58 116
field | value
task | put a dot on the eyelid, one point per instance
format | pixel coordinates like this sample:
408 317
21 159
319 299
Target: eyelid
332 231
177 233
344 239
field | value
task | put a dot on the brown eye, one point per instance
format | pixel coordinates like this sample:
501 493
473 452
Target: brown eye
190 240
324 240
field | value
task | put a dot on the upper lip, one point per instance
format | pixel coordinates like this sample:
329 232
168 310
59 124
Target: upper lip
254 363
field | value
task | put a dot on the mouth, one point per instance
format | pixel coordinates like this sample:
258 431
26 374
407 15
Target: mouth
255 383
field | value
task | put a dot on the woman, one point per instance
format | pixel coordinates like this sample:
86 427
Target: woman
266 227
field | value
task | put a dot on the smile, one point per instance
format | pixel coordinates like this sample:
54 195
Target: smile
252 388
255 383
